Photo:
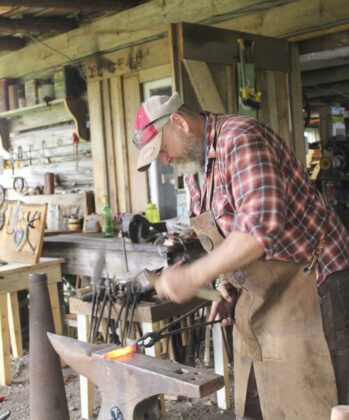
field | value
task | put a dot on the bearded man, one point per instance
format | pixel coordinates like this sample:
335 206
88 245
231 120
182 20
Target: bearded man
283 251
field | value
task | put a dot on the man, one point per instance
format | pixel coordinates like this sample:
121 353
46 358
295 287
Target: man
268 230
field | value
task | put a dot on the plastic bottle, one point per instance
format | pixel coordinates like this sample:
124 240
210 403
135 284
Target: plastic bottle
107 219
152 213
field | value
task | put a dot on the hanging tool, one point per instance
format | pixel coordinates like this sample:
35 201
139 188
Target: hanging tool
76 141
19 155
30 154
12 161
43 151
249 96
110 322
95 286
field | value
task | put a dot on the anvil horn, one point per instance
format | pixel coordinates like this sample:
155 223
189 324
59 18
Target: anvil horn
77 354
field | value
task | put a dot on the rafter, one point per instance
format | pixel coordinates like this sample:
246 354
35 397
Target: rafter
13 26
11 43
328 58
69 4
323 76
151 19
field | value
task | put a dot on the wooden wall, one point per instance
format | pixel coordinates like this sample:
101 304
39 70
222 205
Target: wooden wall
114 95
58 157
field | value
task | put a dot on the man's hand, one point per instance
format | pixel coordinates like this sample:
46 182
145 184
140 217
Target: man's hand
177 284
223 308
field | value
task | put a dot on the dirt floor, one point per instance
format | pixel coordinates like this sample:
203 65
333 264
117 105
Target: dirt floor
17 398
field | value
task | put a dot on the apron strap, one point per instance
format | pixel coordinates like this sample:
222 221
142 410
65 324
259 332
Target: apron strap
209 189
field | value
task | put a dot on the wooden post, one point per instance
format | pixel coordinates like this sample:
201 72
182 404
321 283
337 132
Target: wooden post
5 365
85 385
56 309
14 325
154 351
221 367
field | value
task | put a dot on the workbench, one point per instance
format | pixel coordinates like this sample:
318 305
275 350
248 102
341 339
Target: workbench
13 278
80 252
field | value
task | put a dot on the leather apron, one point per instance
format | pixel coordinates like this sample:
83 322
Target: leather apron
278 331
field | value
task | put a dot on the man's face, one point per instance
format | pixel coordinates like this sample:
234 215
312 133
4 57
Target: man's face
181 149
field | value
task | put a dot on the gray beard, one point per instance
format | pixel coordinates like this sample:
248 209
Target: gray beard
193 158
188 168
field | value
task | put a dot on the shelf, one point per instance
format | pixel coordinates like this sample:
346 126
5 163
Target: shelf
21 111
40 116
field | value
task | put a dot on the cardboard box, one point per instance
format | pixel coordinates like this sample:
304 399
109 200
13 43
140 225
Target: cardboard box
67 82
31 92
4 104
13 96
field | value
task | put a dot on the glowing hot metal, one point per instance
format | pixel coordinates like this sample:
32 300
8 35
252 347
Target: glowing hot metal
123 351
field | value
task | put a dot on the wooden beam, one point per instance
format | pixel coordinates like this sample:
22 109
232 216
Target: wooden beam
298 19
328 58
138 180
11 43
13 26
328 42
204 86
320 77
150 20
318 33
327 90
68 4
296 103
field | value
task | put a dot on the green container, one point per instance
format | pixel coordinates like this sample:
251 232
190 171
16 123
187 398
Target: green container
107 219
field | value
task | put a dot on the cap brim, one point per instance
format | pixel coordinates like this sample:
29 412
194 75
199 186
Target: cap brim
149 152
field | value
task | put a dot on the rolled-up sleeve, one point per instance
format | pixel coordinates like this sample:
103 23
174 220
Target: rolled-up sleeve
257 189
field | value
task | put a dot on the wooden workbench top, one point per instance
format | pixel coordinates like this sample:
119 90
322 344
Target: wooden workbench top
14 267
98 241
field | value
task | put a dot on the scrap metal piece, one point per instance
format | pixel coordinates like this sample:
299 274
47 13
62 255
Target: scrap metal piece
132 383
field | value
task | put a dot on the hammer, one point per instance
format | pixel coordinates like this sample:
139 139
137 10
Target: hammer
148 278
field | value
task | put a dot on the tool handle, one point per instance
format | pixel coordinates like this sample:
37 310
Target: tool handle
207 294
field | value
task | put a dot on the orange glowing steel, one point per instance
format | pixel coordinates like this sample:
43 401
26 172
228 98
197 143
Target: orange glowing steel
123 351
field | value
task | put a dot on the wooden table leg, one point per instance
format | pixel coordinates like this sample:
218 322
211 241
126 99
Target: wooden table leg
14 325
154 351
56 308
85 384
5 364
221 367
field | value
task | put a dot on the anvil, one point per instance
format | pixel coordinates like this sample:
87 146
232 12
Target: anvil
130 385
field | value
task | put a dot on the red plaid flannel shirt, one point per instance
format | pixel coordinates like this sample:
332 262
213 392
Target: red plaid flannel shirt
261 188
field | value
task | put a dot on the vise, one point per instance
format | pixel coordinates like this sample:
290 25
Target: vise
131 384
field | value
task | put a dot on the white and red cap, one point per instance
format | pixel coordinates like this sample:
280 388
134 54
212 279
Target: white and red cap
151 117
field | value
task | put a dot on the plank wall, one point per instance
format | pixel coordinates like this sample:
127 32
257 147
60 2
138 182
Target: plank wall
58 157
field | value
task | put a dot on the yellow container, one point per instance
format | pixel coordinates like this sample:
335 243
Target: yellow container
152 213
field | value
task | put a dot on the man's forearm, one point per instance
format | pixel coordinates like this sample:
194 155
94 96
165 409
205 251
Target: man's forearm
237 250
